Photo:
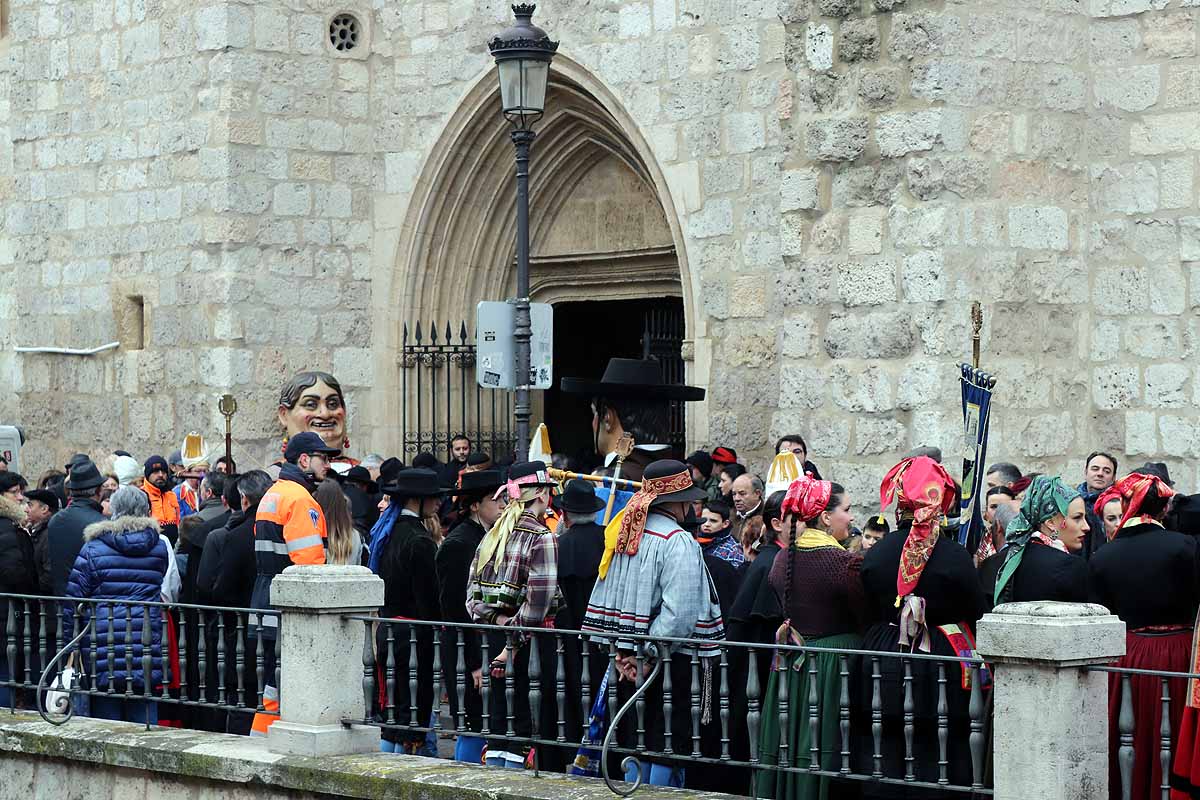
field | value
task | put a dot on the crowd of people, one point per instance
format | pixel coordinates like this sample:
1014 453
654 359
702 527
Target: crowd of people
700 551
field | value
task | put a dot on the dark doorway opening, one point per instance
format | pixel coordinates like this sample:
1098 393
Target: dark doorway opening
586 335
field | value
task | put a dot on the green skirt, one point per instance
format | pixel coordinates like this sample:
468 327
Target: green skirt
790 785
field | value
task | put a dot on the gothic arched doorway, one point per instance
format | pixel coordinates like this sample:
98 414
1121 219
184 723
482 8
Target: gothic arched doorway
603 231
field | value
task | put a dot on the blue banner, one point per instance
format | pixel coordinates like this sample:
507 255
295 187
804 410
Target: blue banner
976 407
619 501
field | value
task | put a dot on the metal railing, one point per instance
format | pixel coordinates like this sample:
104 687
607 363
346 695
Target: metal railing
209 659
895 718
1128 682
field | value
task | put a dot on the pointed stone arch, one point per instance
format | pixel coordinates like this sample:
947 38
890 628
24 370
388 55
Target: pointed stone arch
456 242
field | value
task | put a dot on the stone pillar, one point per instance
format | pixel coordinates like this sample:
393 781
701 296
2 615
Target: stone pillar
1051 714
321 659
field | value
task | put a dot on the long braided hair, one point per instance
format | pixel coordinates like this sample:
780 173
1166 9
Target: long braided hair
836 493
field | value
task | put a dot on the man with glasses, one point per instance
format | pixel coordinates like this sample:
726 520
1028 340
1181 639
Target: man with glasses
289 528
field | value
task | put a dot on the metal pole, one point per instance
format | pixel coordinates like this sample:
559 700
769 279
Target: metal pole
522 333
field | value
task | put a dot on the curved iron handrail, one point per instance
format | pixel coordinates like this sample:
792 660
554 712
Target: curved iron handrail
42 688
612 728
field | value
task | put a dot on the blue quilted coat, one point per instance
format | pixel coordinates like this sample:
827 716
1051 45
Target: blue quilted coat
121 559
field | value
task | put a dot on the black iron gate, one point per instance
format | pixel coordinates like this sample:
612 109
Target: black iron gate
662 339
440 398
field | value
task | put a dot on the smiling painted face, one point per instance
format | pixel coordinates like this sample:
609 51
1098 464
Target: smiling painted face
318 408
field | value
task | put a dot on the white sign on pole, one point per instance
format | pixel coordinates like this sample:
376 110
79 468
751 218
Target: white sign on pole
10 446
496 351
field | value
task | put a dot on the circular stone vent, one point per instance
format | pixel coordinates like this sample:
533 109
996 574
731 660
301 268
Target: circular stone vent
343 32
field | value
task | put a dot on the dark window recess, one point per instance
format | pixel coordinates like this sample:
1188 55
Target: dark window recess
132 323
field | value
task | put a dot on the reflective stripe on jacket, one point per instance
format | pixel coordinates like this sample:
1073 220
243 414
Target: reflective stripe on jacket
289 528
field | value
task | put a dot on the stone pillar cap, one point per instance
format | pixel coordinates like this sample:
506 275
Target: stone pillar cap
1052 609
1047 632
325 587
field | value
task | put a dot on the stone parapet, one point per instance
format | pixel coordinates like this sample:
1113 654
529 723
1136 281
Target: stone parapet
119 760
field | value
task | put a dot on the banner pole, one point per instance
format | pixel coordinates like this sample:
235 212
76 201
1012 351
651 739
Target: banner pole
976 328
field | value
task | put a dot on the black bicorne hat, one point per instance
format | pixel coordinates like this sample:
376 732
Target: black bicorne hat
633 378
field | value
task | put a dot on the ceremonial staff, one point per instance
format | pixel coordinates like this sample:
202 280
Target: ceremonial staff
228 407
620 483
623 449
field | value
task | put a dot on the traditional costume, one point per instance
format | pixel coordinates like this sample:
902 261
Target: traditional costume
403 555
580 548
453 563
1148 577
1037 566
626 382
653 582
819 588
923 594
515 574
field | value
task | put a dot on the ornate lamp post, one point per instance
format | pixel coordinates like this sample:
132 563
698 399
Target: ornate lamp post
523 53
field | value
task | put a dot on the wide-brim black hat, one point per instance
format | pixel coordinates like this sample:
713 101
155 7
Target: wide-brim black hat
632 377
477 483
361 475
83 476
677 472
579 497
414 482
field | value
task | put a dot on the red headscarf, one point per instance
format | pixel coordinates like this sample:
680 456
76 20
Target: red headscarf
1131 491
806 497
922 486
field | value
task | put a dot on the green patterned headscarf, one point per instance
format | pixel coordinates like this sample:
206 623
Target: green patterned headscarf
1044 499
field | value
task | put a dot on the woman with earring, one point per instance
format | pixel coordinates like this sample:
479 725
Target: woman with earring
1039 562
820 591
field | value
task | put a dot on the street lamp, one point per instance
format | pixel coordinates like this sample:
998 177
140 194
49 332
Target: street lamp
523 53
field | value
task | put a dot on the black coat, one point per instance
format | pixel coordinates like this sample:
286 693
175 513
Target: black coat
409 572
453 563
235 570
193 545
726 578
755 613
65 539
1148 576
580 548
364 509
18 569
989 571
949 582
1049 574
41 556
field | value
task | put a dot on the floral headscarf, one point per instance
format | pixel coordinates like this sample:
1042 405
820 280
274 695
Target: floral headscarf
806 497
1044 499
1131 491
922 487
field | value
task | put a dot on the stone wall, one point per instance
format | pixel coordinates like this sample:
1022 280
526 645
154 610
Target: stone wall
841 179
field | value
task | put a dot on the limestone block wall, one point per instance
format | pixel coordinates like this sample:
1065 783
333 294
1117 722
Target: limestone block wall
841 179
184 177
1032 157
